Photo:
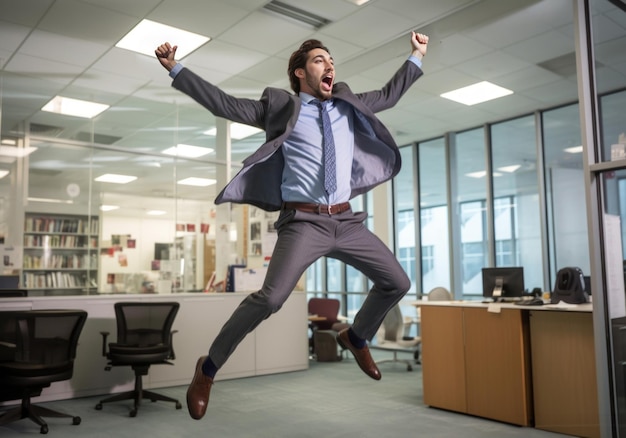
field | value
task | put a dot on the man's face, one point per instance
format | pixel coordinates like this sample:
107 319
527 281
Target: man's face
318 75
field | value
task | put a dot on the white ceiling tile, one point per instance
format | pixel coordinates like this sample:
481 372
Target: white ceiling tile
24 12
74 51
370 27
224 57
492 65
52 70
12 35
265 33
83 21
536 19
542 47
210 18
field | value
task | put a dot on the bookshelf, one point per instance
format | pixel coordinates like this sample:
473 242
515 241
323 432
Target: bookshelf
60 254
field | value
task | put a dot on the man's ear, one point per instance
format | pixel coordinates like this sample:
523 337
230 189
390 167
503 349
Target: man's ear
299 72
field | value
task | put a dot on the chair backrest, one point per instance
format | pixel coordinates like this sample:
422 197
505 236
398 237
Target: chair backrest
145 323
47 338
326 307
439 294
393 324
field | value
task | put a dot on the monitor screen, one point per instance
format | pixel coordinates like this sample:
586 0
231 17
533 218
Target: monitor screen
503 282
9 281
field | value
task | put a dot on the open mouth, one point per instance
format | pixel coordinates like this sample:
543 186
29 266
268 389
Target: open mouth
328 82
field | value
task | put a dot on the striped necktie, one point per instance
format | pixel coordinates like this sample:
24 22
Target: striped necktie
330 171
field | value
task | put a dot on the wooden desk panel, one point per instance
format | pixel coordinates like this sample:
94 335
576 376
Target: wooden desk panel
443 358
563 367
497 365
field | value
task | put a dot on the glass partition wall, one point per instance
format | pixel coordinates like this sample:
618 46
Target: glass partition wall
82 217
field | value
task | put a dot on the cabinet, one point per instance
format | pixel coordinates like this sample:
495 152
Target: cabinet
60 254
477 362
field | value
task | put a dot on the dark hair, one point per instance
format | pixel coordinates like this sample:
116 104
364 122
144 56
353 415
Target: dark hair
298 60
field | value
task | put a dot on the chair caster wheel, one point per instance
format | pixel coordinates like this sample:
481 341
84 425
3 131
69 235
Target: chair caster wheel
44 429
99 407
133 413
409 368
76 420
178 405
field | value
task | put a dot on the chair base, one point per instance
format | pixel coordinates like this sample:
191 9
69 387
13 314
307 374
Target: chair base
35 414
409 364
138 394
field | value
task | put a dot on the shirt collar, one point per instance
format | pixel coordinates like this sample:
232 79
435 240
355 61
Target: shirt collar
307 98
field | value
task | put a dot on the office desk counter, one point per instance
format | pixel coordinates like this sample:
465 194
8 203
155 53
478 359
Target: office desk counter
277 345
525 365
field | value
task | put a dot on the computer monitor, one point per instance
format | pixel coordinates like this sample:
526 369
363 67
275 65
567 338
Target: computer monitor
503 282
9 281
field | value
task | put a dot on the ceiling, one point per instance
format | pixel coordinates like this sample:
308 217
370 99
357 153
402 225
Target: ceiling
67 47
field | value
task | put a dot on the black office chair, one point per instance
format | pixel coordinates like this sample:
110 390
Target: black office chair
37 347
144 338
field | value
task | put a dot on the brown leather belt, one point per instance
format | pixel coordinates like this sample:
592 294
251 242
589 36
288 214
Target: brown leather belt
317 208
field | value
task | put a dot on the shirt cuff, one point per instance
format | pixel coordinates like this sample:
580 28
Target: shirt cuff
174 71
415 60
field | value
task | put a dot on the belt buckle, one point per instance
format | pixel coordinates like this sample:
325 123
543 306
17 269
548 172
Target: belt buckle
321 210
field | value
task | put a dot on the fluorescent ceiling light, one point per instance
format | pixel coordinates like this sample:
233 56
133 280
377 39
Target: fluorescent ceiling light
51 201
115 178
358 2
199 182
109 207
294 13
156 212
3 173
187 151
8 142
74 107
11 151
574 150
510 169
148 34
238 131
477 93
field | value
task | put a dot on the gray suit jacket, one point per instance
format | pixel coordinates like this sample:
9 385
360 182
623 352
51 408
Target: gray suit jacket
376 155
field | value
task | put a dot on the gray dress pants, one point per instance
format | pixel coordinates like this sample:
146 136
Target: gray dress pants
302 239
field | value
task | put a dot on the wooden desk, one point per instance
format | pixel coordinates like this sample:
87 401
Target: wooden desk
564 371
521 365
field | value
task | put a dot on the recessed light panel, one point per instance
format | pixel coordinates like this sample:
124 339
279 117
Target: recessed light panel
74 107
477 93
115 178
187 151
238 131
199 182
147 35
3 173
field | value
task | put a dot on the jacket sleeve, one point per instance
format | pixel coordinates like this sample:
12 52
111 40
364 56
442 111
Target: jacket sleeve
392 91
220 104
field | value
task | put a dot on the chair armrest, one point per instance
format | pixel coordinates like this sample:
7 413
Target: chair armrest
172 354
104 343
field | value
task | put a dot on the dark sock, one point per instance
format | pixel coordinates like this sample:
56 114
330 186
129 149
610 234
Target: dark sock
355 340
209 368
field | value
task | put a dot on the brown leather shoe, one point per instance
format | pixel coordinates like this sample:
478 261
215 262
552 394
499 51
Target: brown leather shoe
198 392
362 355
